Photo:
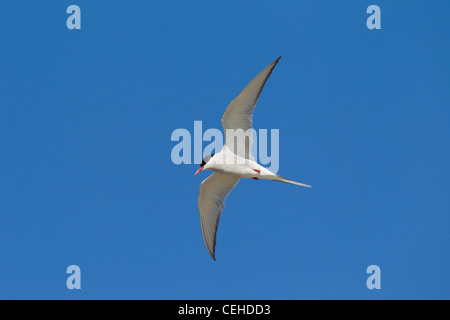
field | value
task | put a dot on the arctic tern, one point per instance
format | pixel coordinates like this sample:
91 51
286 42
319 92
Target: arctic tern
234 161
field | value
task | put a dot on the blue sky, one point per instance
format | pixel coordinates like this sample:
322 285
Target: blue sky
86 118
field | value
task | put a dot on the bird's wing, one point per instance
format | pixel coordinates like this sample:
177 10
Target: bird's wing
213 192
239 113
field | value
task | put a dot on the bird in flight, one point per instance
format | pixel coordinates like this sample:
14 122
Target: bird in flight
234 161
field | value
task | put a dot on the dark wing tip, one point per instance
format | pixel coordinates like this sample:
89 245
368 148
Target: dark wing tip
213 255
272 65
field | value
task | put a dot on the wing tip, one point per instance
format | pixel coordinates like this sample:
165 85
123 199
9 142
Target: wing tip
274 63
213 255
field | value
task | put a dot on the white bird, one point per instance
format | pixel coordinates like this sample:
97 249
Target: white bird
234 161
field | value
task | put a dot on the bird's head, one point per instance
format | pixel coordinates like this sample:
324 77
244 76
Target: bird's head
204 162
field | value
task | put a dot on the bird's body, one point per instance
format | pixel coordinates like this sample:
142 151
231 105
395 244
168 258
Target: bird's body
228 162
234 161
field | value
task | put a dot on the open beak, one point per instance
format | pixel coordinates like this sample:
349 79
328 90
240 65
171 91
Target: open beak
198 171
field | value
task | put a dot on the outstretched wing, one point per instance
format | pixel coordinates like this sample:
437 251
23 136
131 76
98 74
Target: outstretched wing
239 113
213 192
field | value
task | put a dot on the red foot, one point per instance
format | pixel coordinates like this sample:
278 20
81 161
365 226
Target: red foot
255 178
259 171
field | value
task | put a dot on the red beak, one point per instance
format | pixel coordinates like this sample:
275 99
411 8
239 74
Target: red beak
198 171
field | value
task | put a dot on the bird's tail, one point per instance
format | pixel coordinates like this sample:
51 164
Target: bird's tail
281 179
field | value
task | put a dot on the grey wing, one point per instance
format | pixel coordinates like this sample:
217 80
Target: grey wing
239 113
213 192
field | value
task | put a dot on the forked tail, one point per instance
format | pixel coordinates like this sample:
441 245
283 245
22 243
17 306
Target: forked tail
281 179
